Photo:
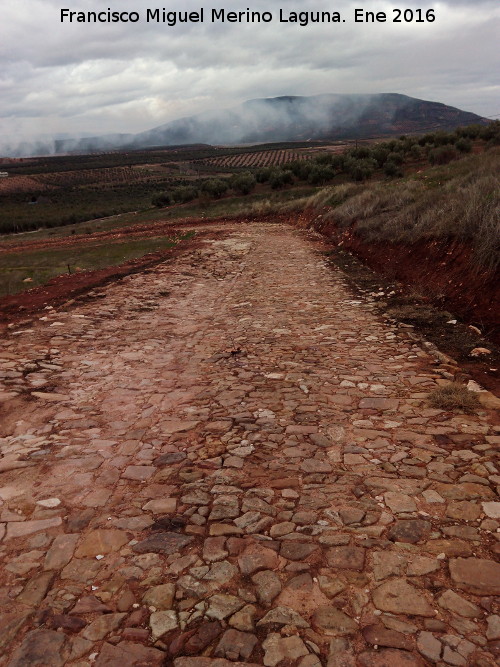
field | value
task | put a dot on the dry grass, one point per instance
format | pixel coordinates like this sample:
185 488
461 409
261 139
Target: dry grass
454 396
457 201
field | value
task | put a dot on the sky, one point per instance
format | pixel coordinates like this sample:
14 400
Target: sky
81 79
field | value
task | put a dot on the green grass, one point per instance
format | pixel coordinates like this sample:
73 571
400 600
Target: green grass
228 206
42 265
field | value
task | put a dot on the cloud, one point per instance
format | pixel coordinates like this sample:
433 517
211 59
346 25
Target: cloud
99 78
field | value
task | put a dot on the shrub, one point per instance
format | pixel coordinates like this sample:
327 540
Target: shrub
442 155
360 170
163 199
183 194
319 175
244 183
263 175
391 169
464 145
396 158
215 187
279 178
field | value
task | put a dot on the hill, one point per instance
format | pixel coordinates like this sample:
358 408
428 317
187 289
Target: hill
321 117
291 118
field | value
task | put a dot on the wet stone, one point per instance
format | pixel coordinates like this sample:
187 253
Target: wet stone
459 605
410 531
61 552
389 657
129 654
333 622
279 648
162 622
346 558
296 550
36 589
170 458
162 543
40 647
378 635
138 473
257 558
476 575
203 636
221 606
283 616
398 597
235 645
268 586
101 542
161 597
102 626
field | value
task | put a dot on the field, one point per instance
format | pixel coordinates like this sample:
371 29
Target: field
57 191
28 269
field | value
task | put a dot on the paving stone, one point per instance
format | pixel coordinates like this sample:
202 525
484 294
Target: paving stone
476 575
99 542
268 586
161 597
296 550
203 636
256 558
283 616
492 509
22 528
400 502
102 626
410 531
170 458
221 606
162 543
61 552
36 589
139 473
235 645
346 558
493 629
130 654
161 506
211 662
379 636
389 657
10 623
242 466
459 605
244 619
333 622
429 646
398 597
40 647
89 604
282 648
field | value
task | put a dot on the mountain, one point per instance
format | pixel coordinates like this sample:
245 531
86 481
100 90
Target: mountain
302 118
290 118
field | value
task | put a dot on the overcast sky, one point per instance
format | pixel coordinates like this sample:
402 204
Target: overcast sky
81 79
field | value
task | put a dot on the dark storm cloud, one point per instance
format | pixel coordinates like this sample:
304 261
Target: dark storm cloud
85 78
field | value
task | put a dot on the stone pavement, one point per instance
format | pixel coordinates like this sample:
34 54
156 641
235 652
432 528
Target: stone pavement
229 459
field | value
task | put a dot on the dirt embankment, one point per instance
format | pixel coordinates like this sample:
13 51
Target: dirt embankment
441 270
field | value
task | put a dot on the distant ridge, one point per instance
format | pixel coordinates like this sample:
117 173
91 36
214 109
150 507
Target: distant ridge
293 118
286 118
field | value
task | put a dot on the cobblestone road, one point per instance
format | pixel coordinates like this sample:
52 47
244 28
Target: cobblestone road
229 459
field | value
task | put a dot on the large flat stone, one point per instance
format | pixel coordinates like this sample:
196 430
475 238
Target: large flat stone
162 543
398 597
101 542
476 575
